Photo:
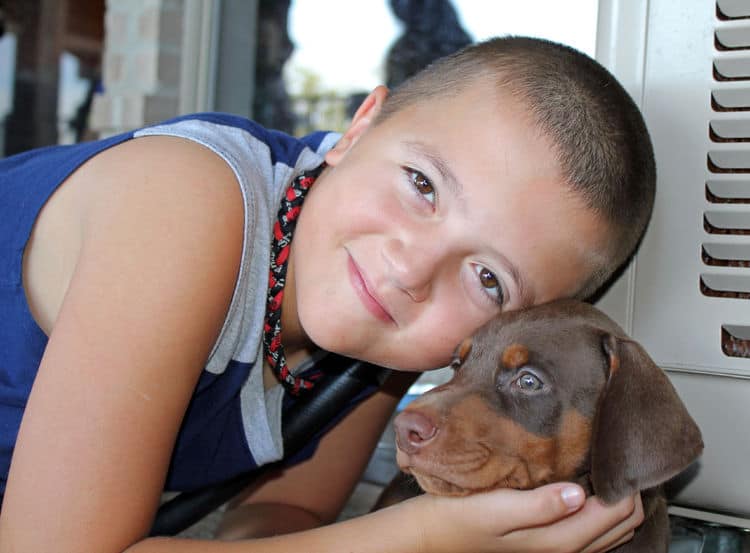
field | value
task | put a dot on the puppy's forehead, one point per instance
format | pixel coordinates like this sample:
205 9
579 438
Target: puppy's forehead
561 317
523 332
561 344
560 335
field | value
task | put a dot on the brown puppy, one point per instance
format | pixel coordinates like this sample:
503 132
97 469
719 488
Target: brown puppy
557 392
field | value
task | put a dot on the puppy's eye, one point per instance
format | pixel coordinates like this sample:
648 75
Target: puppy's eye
456 363
529 382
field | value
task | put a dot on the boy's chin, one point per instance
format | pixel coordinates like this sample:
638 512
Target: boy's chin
338 338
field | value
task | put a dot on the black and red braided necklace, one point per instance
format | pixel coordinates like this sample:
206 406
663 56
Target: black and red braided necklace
291 204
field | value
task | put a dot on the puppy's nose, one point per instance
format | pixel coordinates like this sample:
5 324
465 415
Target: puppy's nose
413 430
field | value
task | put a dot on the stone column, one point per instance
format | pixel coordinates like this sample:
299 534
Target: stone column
141 65
33 120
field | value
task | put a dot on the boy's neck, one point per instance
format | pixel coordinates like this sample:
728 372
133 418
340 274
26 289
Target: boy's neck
297 345
293 336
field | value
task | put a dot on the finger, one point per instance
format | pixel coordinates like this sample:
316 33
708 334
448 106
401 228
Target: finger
625 539
621 532
531 508
580 531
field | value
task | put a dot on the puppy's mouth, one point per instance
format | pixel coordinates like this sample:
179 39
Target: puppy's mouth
437 486
473 472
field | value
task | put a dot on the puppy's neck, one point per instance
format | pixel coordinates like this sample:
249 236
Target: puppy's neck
584 480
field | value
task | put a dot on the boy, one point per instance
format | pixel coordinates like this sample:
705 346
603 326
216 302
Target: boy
510 174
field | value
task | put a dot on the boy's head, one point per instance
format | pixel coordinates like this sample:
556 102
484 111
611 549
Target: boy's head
599 136
508 175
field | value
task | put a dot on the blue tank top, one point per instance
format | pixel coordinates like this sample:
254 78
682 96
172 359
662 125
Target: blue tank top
218 438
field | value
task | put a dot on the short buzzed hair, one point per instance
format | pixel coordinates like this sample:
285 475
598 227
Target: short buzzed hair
601 141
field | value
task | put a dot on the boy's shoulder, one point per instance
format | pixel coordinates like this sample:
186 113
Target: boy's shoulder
169 172
225 128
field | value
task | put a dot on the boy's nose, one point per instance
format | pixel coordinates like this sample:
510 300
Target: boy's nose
411 269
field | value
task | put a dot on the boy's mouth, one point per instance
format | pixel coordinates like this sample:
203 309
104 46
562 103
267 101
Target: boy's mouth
371 302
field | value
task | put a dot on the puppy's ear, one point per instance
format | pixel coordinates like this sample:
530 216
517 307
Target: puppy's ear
643 434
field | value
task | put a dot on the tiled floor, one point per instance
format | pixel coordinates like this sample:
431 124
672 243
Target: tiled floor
361 501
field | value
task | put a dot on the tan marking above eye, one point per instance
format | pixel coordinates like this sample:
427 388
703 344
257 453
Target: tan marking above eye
515 356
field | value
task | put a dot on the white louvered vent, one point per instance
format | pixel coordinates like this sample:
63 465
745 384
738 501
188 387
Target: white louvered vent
687 297
727 216
691 301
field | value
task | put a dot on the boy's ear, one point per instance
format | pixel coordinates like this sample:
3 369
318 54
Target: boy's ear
363 117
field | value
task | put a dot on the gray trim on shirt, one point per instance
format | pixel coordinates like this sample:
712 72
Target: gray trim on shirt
240 339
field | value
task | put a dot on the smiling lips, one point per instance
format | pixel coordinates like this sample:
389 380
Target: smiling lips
371 303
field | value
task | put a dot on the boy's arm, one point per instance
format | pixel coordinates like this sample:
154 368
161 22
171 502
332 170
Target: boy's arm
503 521
313 492
160 249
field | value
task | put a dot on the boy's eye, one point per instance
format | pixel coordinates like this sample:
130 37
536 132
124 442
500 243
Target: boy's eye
422 185
490 283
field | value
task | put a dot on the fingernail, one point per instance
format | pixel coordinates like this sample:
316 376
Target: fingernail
572 496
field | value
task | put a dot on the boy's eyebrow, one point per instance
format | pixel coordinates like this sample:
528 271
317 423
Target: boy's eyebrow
439 164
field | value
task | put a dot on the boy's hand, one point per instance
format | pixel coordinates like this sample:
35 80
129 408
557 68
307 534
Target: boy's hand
551 518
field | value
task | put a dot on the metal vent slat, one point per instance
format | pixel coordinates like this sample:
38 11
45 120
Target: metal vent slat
728 190
732 65
725 251
729 159
731 98
728 220
734 35
739 284
734 8
735 128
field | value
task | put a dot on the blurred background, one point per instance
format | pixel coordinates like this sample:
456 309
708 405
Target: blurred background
73 70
